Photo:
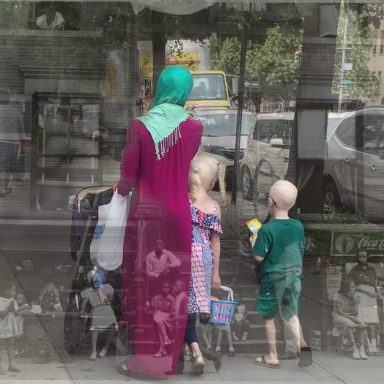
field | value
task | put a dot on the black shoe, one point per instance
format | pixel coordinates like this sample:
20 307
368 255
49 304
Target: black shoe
231 353
305 357
215 357
286 355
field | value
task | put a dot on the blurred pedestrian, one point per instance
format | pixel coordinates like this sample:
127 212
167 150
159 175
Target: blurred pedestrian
346 317
161 265
163 311
49 298
365 278
11 325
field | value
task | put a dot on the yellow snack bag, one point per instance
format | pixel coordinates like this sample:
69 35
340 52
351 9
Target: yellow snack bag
254 226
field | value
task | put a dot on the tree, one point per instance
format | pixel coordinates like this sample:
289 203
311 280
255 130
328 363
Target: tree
271 63
360 37
273 66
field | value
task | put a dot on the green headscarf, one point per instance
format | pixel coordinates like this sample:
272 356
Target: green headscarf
163 119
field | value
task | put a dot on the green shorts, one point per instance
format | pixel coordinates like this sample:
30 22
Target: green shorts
279 291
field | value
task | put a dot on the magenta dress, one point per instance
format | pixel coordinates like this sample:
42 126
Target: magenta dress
160 204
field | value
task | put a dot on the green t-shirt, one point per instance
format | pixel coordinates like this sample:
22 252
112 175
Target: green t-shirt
281 243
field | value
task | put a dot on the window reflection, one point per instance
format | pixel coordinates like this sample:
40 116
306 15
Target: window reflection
73 74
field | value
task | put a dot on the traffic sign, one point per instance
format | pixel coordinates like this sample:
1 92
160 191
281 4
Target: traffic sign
252 84
346 82
342 86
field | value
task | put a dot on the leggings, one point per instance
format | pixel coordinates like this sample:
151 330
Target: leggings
190 335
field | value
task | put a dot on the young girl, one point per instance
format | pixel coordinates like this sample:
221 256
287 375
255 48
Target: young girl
49 298
20 341
11 324
22 303
240 325
346 316
205 257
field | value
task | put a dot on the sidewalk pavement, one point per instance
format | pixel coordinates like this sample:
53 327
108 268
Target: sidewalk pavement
328 367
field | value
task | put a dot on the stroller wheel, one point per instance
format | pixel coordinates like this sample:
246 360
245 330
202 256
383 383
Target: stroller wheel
66 351
42 352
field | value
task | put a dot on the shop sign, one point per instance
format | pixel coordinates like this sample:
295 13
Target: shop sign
348 243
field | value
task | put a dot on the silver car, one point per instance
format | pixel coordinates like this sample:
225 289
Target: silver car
354 165
267 156
219 134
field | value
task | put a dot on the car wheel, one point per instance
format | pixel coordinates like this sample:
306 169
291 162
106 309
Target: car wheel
331 201
247 184
265 177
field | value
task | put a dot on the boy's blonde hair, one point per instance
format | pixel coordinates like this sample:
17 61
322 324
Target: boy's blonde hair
284 193
202 172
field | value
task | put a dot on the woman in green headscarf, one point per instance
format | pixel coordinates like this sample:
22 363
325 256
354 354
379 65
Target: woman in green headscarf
156 160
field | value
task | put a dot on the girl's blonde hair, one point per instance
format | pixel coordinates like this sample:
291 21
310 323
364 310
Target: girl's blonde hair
202 172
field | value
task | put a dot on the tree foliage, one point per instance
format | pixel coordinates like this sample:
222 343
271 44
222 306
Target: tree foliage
271 63
360 37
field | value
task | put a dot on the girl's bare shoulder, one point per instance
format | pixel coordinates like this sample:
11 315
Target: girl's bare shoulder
205 204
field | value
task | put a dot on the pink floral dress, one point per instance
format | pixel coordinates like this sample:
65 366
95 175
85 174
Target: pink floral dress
203 225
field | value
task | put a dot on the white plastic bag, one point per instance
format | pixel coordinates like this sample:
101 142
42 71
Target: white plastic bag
108 239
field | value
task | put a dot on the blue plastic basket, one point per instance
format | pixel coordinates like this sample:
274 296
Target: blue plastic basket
222 310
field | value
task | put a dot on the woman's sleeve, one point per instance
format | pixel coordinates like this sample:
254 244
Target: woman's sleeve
130 162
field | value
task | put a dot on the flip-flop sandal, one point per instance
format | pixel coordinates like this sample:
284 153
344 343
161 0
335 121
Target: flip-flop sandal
264 362
9 190
305 359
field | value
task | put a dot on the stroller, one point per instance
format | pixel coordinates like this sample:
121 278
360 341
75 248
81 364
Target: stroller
77 326
43 336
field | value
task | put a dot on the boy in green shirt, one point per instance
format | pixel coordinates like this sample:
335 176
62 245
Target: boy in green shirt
280 249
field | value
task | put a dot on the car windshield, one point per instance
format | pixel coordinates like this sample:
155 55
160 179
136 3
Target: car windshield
332 125
273 129
225 124
208 86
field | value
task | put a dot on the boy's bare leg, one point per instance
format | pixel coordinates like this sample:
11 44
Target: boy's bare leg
270 334
303 343
295 326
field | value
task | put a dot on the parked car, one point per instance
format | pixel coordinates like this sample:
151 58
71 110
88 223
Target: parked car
219 134
354 165
267 155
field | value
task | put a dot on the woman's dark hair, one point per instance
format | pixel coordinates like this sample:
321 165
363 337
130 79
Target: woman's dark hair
46 275
344 286
7 285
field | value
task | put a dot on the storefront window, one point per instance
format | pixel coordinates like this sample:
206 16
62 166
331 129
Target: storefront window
104 106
